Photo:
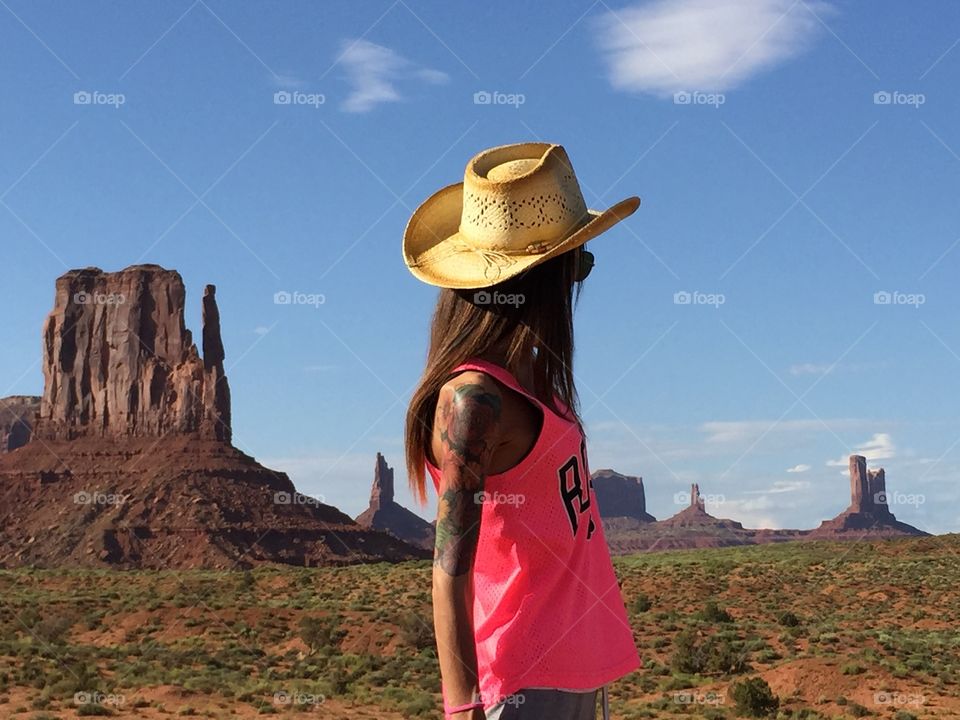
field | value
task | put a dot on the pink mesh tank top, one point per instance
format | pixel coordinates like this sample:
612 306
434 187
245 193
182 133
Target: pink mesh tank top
547 608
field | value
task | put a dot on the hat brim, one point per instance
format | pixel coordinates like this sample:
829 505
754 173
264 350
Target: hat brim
433 248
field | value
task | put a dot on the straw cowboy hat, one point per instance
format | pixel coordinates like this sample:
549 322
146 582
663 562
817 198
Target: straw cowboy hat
518 206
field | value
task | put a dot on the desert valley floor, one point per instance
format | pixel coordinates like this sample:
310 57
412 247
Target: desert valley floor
836 629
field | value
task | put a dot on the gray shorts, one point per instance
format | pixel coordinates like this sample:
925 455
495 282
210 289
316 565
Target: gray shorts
542 703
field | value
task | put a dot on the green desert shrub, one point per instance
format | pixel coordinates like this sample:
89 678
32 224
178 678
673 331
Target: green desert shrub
754 698
416 630
714 655
642 603
857 710
788 619
712 612
321 633
92 710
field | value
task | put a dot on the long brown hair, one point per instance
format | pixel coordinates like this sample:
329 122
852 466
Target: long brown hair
470 323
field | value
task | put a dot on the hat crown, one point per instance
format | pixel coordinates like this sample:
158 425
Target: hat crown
522 197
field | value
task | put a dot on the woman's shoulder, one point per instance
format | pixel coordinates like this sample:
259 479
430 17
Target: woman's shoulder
471 384
470 376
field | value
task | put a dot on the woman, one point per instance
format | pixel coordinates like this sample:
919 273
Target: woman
527 611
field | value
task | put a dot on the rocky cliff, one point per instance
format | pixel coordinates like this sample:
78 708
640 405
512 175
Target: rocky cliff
384 513
118 360
18 415
131 463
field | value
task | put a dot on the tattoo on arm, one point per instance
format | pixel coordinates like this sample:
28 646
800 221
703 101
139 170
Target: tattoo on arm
469 422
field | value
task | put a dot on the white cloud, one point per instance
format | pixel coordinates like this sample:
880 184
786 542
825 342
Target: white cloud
879 447
667 46
801 468
780 486
287 81
823 369
751 513
810 369
675 451
319 368
374 72
740 431
261 330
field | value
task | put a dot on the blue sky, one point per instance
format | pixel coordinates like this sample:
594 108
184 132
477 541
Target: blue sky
794 160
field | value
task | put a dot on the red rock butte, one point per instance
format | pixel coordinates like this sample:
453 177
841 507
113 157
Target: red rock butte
129 462
118 360
868 514
621 496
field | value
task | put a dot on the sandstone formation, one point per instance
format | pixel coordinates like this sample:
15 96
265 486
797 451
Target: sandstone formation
621 496
131 464
868 488
692 527
384 513
18 415
868 514
695 514
118 360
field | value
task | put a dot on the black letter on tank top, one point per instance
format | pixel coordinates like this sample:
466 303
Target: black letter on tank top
571 492
586 470
574 491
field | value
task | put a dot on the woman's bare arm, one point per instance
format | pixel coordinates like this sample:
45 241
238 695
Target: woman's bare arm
468 418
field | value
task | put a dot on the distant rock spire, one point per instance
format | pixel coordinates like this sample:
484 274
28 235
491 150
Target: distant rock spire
877 485
384 513
216 401
695 500
860 500
382 492
213 353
